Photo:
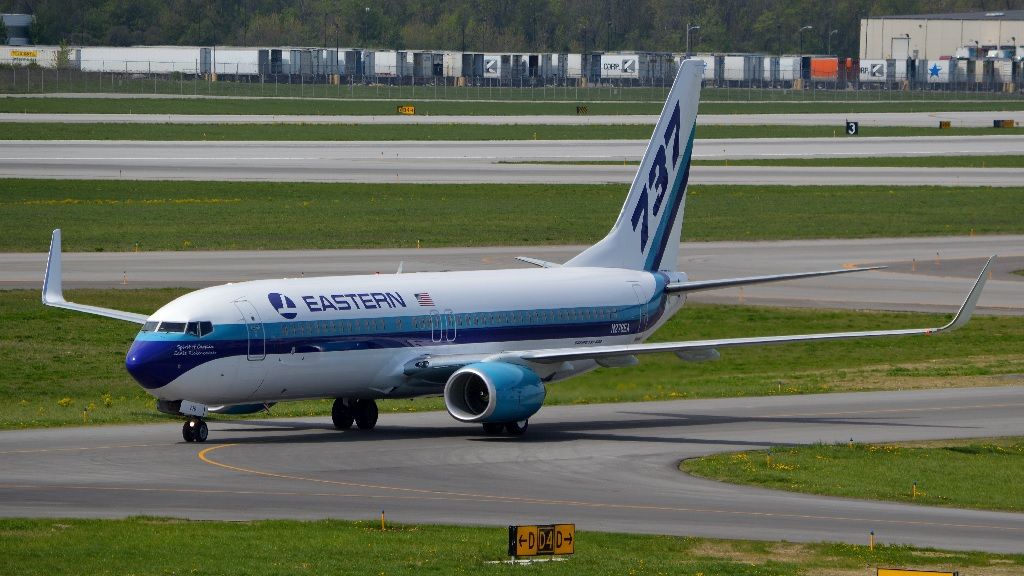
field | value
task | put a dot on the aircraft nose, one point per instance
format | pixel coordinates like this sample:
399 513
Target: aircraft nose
151 363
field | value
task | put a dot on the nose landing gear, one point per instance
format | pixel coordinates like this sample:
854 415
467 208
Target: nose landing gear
195 430
345 411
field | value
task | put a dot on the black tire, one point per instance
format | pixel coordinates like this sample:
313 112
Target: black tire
201 432
341 414
517 428
493 428
186 432
366 414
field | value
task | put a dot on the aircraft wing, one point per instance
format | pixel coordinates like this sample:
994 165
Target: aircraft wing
729 282
53 291
551 356
438 368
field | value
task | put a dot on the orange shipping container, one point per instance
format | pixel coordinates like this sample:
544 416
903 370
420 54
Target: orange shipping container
824 68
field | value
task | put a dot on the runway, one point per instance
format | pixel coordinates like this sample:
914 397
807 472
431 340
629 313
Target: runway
927 274
838 119
604 467
493 162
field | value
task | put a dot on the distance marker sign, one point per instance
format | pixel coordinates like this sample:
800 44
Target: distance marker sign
542 540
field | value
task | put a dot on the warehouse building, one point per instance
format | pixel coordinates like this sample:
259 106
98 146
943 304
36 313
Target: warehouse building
971 35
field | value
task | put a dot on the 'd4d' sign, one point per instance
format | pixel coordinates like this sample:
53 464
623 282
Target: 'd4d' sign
542 540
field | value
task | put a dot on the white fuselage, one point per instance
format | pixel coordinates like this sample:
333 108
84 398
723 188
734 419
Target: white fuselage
356 336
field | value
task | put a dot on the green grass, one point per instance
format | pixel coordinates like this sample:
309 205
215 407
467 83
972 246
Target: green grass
165 546
965 474
350 132
59 364
331 100
111 215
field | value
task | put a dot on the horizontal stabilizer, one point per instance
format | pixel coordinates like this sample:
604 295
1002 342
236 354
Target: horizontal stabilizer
731 282
538 262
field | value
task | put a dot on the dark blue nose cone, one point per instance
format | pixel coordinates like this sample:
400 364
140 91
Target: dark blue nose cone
152 363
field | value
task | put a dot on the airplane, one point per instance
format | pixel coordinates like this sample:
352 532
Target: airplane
489 342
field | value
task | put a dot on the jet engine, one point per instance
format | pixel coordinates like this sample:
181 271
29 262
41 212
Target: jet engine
493 392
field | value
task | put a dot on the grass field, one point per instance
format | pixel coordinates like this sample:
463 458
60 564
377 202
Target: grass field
568 101
59 364
350 132
105 215
164 546
961 473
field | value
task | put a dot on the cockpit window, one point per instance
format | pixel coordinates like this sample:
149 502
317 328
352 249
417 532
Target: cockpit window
171 327
149 326
199 328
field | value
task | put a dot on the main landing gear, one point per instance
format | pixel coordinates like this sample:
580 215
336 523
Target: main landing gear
348 410
195 430
515 428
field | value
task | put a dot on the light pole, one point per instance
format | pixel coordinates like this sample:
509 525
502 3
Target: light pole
688 30
366 19
800 36
830 41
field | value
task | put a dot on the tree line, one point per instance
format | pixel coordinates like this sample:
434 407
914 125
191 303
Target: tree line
771 26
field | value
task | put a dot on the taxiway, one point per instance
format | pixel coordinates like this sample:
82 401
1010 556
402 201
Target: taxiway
605 467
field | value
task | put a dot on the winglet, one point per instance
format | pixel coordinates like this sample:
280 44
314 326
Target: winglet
53 291
967 309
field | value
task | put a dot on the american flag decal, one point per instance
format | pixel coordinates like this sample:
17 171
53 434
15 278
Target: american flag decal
425 300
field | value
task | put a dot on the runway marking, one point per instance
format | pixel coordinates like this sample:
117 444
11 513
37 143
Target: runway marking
80 448
213 491
445 495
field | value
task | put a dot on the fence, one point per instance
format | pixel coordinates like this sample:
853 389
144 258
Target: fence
33 79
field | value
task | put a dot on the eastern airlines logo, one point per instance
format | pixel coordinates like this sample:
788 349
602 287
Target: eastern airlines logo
283 304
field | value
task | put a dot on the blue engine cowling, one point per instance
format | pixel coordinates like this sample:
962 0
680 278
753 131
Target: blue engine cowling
493 392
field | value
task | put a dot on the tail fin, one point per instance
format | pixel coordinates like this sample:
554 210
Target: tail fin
646 234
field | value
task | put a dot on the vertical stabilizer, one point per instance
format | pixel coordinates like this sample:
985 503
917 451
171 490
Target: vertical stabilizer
647 232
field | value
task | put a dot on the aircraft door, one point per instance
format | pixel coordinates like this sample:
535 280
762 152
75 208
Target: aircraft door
254 330
436 327
642 303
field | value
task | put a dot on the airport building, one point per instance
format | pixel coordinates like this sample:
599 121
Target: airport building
970 36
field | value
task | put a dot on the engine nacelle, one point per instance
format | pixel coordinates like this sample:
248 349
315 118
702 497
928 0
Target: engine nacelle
493 392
